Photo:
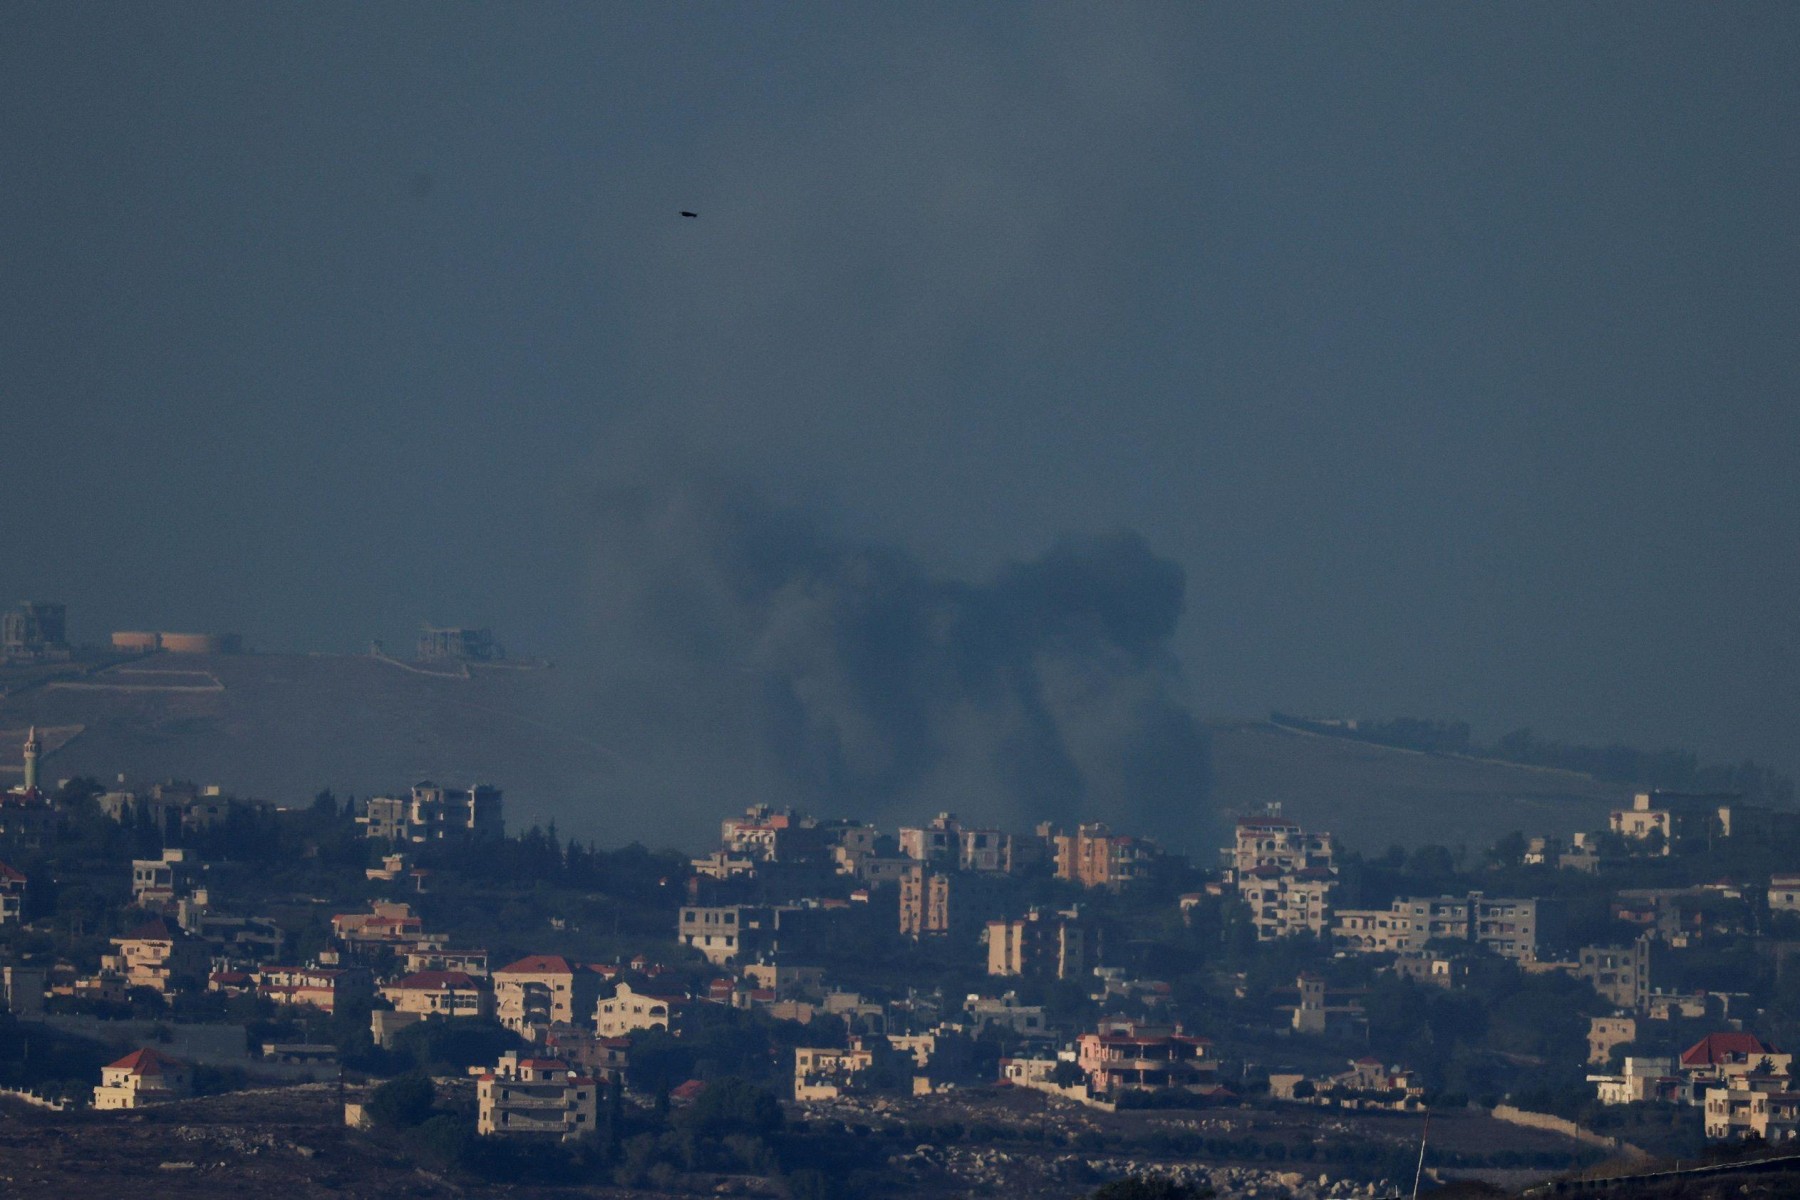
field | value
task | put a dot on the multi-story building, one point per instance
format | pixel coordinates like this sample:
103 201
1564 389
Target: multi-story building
1784 893
628 1009
940 842
1126 1056
387 926
440 995
540 1099
1328 1010
1508 927
924 902
825 1072
986 850
141 1078
727 934
1277 842
1285 874
1620 974
441 958
765 834
1765 1109
157 957
1005 1012
1285 903
1094 856
1606 1032
1055 946
1643 1080
159 882
1725 1057
436 814
544 989
1673 818
328 989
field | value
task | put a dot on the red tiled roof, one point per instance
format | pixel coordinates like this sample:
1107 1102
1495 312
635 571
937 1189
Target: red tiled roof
688 1090
538 964
436 981
144 1062
10 874
151 931
1717 1048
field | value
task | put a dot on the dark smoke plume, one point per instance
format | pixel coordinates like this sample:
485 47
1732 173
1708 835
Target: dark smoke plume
804 668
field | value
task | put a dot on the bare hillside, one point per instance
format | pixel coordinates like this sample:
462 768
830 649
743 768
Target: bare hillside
283 726
1374 796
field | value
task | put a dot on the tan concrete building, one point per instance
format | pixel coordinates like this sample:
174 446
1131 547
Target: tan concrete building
727 934
544 989
1094 856
1673 818
159 882
628 1009
158 957
939 842
540 1099
327 989
825 1072
430 813
1606 1032
447 995
141 1078
1620 974
1053 945
924 902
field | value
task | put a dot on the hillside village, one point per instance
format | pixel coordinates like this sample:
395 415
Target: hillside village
1635 984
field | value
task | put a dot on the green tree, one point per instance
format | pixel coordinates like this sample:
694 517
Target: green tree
733 1105
403 1102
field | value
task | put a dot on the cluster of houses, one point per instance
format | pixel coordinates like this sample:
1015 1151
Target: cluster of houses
576 1019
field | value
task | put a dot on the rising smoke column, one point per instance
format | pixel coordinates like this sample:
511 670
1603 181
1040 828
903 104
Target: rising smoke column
849 680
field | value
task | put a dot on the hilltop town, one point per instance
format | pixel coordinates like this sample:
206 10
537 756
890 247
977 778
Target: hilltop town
819 1003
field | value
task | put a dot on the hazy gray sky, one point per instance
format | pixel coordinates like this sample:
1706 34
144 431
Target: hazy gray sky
1450 349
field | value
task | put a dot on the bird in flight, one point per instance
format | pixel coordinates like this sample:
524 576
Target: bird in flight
685 213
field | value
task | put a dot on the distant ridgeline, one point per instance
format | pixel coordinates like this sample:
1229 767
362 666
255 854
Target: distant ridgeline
1666 770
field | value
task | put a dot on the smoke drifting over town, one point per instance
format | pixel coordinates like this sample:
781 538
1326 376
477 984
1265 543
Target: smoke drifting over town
805 667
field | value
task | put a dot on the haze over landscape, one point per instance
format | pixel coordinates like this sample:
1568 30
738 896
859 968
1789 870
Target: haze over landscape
1432 361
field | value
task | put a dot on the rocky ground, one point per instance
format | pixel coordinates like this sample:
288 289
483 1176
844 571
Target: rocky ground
293 1142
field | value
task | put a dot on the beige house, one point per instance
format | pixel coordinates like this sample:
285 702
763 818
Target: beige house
1762 1108
323 988
825 1073
141 1077
540 1099
158 957
542 990
626 1010
450 995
